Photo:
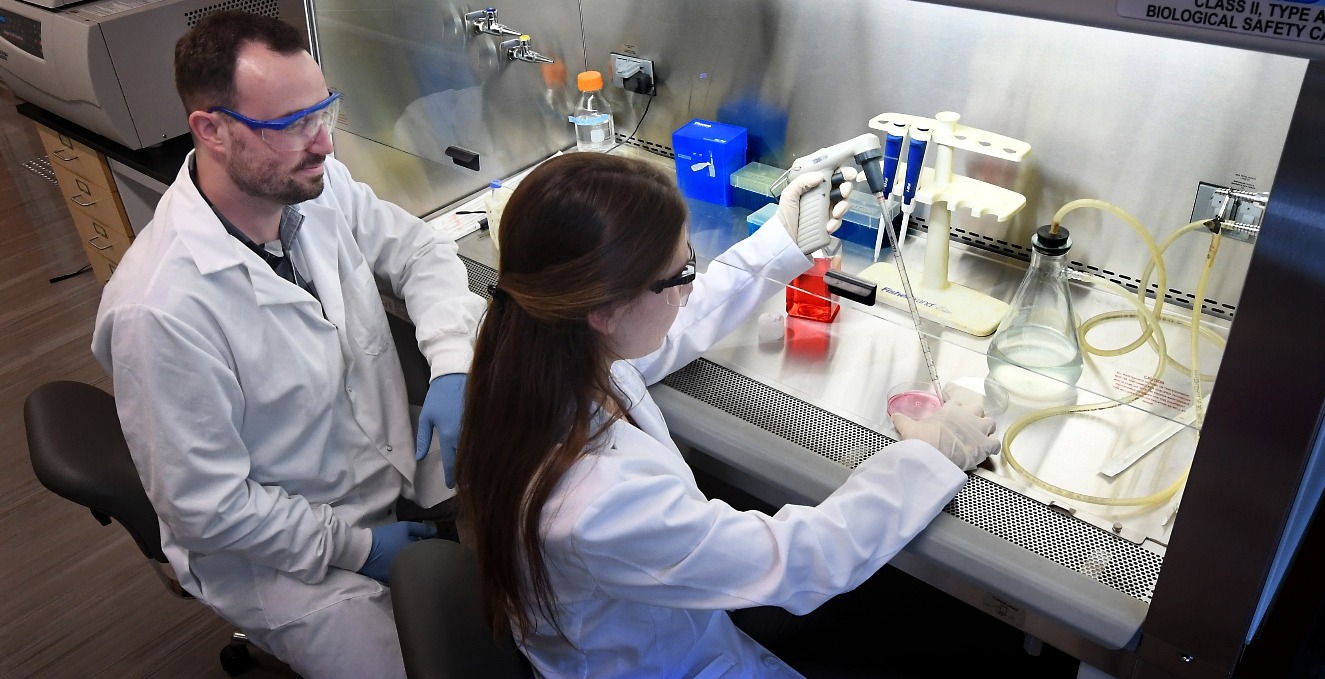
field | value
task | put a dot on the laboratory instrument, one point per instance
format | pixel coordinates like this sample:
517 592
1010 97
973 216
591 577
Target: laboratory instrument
895 237
594 129
865 152
808 295
915 159
892 154
951 304
1035 353
816 204
106 66
1151 334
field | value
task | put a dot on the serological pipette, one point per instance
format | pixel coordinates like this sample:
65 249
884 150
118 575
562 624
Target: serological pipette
915 157
892 152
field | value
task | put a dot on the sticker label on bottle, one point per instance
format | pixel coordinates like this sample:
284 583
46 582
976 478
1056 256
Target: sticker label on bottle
599 119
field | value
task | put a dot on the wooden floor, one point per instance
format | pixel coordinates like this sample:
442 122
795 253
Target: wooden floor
76 599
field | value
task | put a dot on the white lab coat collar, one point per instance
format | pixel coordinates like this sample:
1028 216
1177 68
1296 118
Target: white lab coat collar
214 250
643 411
316 253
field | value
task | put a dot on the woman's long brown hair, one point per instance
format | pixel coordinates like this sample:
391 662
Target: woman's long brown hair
583 231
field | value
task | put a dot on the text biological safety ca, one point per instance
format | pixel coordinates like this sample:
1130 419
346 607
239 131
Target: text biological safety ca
1298 21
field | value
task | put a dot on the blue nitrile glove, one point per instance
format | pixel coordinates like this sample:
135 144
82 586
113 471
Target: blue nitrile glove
388 540
441 409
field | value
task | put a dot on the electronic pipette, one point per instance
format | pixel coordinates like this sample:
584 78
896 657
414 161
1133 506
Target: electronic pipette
915 158
812 231
892 152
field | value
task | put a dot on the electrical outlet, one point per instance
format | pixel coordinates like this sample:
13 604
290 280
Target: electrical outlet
633 74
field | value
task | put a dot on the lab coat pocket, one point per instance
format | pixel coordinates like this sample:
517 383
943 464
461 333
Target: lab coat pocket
285 598
720 667
365 317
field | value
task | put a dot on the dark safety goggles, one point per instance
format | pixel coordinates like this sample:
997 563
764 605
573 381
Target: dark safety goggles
680 283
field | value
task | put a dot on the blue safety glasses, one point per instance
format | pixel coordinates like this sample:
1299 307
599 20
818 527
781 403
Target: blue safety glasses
295 131
680 284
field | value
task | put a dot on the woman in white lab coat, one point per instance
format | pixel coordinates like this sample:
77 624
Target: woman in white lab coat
596 546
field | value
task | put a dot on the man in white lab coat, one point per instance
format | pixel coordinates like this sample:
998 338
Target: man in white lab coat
257 382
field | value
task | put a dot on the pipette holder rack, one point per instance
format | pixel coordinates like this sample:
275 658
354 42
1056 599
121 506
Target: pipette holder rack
937 298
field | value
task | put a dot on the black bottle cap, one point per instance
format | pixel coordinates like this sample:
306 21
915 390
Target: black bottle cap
1046 242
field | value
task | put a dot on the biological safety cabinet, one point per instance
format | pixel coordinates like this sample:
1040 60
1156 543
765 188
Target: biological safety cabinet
1170 111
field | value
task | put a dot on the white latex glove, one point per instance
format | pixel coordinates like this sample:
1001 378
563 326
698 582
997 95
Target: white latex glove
789 201
960 431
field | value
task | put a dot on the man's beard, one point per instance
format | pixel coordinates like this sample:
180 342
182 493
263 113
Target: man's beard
270 182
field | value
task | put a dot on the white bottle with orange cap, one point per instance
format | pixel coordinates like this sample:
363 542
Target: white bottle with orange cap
594 130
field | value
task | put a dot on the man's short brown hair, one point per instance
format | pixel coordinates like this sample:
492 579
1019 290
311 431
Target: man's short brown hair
205 57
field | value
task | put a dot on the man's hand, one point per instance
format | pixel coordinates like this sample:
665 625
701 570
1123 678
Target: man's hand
442 408
388 540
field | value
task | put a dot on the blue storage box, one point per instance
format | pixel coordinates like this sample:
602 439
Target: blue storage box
706 155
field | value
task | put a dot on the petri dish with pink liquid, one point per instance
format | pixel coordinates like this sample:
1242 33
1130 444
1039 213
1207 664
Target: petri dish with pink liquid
916 400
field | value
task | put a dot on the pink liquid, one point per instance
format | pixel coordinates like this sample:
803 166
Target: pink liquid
916 405
807 296
807 339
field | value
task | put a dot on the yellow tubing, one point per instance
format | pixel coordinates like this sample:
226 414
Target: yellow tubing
1150 333
1156 256
1195 372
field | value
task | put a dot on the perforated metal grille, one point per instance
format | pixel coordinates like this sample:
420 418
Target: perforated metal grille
1074 544
1069 542
41 166
480 277
839 440
263 7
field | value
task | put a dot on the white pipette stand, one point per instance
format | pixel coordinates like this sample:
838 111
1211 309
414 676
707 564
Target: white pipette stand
937 298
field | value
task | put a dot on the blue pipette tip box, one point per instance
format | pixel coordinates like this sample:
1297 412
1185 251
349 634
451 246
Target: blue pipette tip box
860 224
707 153
758 217
752 185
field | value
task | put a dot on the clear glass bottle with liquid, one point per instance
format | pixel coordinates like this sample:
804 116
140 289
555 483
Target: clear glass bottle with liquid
594 130
1035 351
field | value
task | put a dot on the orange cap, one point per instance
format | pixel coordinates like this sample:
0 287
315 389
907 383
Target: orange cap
590 81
